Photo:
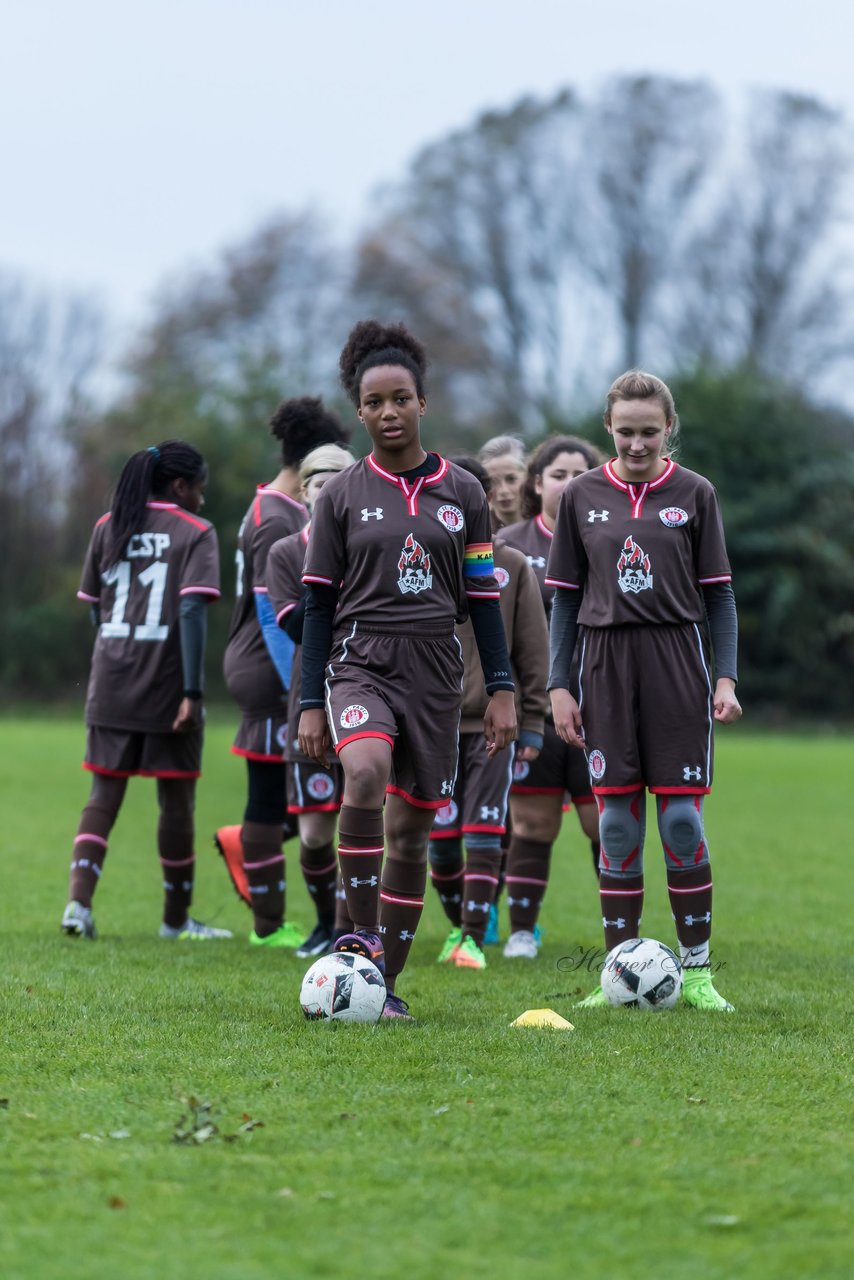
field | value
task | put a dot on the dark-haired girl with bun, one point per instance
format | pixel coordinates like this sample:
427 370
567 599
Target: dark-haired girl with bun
540 785
257 665
151 569
400 547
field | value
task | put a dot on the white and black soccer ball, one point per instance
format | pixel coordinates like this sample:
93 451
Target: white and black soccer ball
643 974
343 987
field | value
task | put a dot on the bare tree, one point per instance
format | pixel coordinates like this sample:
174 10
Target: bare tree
650 142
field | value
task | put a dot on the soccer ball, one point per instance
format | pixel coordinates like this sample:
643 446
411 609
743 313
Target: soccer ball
643 974
344 987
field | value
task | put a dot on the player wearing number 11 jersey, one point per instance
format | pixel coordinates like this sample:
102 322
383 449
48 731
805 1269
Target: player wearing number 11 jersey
150 571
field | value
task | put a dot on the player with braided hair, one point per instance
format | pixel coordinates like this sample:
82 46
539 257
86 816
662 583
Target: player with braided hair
399 548
150 571
257 665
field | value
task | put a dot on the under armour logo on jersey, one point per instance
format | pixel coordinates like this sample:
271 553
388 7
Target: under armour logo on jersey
355 883
706 919
619 923
489 814
593 516
537 562
688 774
376 514
479 906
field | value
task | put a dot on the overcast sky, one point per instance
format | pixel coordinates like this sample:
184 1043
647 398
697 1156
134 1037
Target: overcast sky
136 140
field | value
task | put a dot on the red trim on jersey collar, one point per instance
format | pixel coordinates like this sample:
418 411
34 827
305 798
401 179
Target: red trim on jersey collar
410 491
637 492
543 527
263 491
303 533
178 511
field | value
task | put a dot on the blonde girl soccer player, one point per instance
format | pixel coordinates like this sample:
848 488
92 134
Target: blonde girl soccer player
313 793
506 465
642 584
399 548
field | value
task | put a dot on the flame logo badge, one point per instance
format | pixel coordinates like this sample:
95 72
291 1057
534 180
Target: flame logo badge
414 567
633 568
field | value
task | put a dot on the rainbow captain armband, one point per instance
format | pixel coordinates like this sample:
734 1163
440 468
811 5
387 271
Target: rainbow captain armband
477 561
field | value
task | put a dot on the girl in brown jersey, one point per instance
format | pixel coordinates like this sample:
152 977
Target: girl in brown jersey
540 784
639 560
150 571
399 548
257 666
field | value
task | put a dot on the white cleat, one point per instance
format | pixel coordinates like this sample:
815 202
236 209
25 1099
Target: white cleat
194 931
77 921
521 945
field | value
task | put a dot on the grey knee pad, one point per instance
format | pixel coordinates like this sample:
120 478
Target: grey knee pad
622 824
680 825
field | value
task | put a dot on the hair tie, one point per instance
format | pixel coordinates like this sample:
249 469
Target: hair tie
152 448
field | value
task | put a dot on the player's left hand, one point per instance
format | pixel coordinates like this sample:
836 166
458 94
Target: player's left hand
727 705
499 722
189 716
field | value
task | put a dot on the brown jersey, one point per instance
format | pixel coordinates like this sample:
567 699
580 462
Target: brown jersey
136 679
534 539
527 642
251 677
639 552
285 589
404 553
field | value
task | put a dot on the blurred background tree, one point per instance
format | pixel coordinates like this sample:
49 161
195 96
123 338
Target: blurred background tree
537 252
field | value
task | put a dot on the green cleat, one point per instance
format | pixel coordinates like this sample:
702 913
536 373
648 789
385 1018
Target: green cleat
289 934
596 1000
697 990
449 946
468 955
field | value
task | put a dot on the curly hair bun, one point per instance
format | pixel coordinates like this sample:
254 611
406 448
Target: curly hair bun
301 424
370 344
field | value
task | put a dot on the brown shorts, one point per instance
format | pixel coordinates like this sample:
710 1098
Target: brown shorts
262 738
312 789
479 802
407 690
559 769
647 710
127 753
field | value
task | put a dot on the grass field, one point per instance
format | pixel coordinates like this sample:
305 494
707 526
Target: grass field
637 1145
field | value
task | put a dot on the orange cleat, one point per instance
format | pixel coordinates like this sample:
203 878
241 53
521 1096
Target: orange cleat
230 847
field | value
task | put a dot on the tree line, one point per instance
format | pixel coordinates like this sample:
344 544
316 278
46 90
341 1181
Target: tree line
538 252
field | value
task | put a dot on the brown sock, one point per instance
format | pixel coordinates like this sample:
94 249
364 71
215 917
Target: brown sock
483 866
360 856
622 905
690 894
264 862
320 873
343 923
178 860
527 878
401 904
90 850
447 868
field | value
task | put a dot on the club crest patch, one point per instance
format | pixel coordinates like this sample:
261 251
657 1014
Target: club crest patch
447 815
452 518
673 517
282 736
633 568
596 765
501 576
414 567
354 715
320 786
521 769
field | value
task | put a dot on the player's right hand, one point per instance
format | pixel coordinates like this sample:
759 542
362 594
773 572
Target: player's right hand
314 736
567 717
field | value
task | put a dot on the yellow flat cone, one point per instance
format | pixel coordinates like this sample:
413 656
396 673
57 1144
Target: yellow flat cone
542 1018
